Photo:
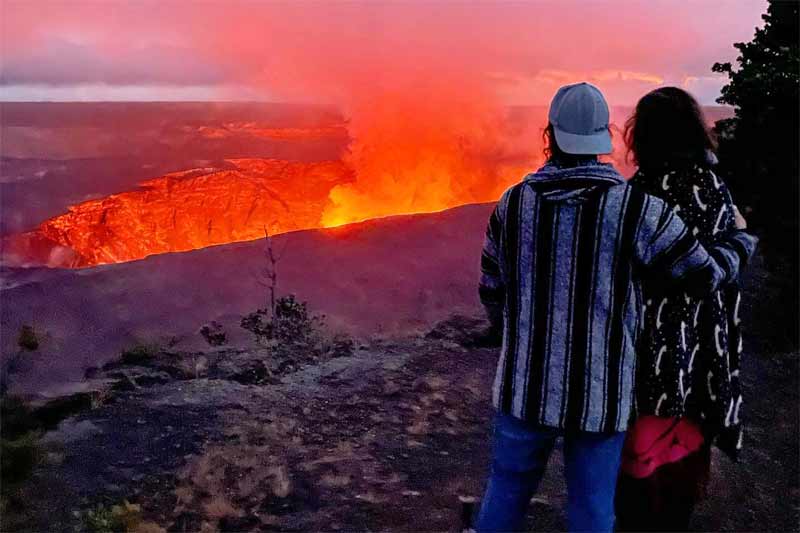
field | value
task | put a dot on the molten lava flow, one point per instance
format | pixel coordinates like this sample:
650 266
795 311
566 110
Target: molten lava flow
184 211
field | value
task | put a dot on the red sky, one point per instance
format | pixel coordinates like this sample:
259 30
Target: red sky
341 52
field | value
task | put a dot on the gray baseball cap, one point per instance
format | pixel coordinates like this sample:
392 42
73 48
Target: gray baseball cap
579 115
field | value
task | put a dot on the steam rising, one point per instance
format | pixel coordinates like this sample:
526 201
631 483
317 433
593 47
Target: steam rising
428 128
423 147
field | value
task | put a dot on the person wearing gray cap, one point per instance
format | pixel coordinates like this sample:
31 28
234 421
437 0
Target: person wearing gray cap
564 259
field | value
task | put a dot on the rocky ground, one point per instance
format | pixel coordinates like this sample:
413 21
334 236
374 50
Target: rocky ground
392 435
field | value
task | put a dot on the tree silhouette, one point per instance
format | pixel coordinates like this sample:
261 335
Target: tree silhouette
758 147
268 275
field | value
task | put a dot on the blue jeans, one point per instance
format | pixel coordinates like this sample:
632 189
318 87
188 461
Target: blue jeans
520 455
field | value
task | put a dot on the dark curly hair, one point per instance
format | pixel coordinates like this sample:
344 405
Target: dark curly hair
668 127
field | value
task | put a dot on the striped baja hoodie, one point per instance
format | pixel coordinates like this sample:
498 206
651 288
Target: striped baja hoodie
565 256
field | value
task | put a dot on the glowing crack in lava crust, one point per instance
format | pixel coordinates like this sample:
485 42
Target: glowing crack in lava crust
203 207
184 211
234 202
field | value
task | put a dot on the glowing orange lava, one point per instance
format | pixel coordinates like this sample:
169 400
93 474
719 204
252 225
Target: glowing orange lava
421 151
393 166
184 211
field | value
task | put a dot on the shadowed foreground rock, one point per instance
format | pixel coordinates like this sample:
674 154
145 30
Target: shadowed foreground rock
392 437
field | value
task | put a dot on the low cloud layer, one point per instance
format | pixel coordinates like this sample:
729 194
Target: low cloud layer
59 62
521 51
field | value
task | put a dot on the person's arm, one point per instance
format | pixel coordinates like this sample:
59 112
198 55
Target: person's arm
492 289
670 249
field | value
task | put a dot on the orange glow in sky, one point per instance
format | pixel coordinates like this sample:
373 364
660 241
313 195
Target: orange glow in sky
425 87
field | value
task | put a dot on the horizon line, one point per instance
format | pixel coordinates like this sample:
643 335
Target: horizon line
261 102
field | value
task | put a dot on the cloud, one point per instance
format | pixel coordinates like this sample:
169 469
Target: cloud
88 92
626 45
59 62
704 88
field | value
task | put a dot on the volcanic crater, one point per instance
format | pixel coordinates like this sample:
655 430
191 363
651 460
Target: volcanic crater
233 200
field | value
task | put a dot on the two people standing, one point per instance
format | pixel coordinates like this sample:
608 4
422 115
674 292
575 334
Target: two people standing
589 277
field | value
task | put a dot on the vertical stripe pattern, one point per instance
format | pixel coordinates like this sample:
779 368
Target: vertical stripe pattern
560 265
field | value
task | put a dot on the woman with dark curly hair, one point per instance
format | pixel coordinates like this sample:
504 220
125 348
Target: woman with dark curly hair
688 389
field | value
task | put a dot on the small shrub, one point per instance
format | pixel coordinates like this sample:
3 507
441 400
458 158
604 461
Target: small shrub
123 517
259 323
292 323
139 353
288 308
214 334
28 340
292 320
294 337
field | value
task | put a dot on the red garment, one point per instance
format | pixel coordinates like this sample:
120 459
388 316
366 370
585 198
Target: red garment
653 441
